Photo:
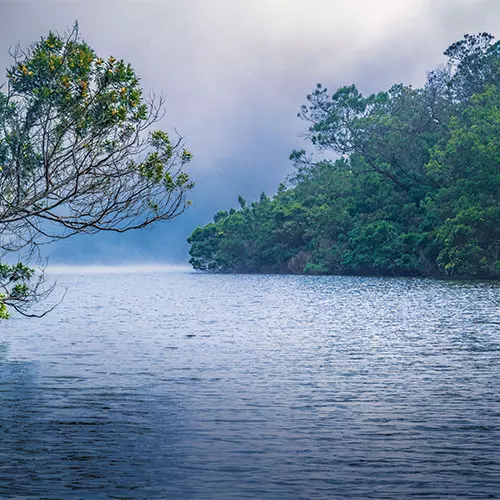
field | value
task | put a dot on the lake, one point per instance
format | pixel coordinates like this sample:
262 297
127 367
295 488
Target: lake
161 384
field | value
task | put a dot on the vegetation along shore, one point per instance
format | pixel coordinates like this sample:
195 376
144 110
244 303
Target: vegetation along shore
413 189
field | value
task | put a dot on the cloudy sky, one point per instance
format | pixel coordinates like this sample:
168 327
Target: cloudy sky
234 73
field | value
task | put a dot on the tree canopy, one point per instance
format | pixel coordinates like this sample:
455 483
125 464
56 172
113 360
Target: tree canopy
415 188
78 154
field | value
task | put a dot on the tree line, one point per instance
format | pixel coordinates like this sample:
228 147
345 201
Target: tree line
414 189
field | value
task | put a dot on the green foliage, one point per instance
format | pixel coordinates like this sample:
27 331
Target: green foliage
67 76
416 190
16 285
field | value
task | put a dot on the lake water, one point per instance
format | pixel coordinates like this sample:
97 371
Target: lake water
178 385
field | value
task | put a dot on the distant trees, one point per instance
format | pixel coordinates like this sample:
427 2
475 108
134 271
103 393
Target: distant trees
415 189
78 154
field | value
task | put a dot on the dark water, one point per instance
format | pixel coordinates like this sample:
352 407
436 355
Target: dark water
166 385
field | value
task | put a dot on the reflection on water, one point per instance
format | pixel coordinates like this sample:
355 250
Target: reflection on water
179 385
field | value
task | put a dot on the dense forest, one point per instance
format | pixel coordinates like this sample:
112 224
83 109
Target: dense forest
408 183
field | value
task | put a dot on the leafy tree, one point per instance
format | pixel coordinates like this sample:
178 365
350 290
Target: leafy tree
78 154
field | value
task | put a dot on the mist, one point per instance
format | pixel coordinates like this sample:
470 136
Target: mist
234 75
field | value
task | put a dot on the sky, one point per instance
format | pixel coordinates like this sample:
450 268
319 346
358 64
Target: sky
234 74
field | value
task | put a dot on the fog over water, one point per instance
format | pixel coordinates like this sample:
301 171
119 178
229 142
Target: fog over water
65 269
234 74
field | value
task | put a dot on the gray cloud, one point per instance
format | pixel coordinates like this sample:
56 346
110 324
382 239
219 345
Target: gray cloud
235 72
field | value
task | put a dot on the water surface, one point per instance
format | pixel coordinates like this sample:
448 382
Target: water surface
178 385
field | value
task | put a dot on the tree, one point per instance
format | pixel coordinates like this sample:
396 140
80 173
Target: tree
78 154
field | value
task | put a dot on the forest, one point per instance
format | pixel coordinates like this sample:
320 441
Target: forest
403 182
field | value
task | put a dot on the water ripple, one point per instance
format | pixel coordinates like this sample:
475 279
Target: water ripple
180 385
